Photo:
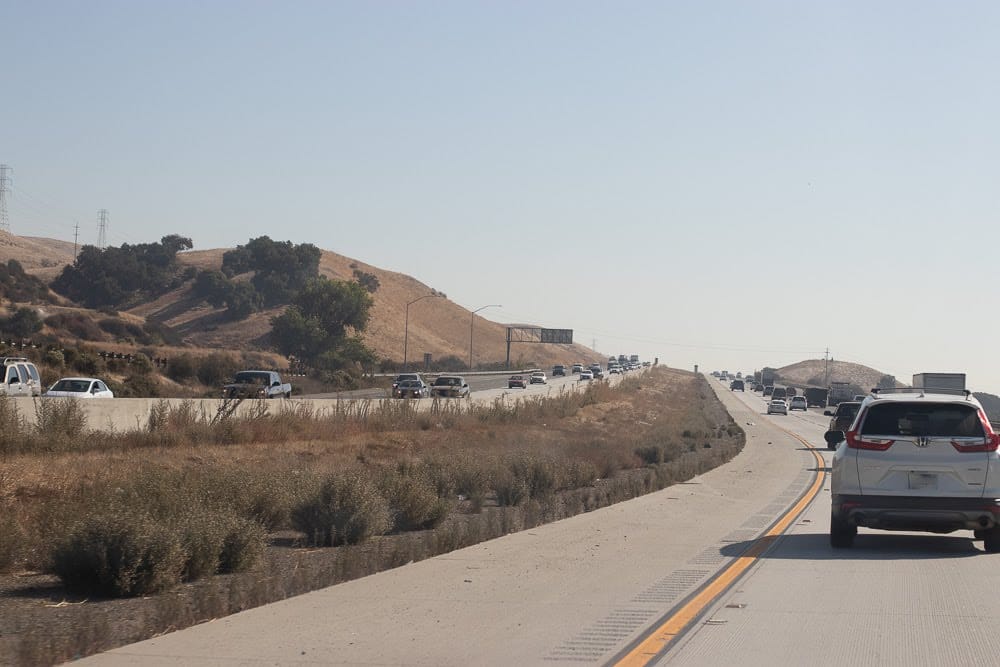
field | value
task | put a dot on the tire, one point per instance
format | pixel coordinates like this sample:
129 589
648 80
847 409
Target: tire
288 394
991 540
979 534
841 533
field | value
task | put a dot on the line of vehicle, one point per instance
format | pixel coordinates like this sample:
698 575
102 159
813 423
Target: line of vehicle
658 639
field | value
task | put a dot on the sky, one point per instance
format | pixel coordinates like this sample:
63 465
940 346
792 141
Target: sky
729 184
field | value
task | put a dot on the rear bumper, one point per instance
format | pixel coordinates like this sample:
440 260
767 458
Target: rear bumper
918 513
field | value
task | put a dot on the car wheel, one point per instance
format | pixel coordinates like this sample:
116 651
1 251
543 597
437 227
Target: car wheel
842 533
991 540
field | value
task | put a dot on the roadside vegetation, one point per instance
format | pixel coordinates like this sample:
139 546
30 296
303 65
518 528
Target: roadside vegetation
184 520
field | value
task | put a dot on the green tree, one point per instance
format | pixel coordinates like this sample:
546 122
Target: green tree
323 322
116 276
22 323
367 280
280 269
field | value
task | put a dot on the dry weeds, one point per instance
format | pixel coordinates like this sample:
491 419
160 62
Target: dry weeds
452 477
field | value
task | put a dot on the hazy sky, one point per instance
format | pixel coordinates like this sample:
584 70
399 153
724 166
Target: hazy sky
721 183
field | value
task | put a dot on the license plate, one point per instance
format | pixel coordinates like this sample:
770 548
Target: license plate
923 480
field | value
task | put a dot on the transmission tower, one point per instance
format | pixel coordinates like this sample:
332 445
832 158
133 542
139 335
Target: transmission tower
102 227
4 190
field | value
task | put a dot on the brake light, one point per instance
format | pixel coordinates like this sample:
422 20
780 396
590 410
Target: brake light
989 444
855 441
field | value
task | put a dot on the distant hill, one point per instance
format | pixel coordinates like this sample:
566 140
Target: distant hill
813 372
991 404
437 325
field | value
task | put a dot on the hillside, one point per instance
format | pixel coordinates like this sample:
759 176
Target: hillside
813 371
40 257
436 325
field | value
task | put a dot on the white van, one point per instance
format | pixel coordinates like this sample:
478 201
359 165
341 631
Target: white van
20 378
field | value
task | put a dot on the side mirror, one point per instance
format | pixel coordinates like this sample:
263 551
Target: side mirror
833 437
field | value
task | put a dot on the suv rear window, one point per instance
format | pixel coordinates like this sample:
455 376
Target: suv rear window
923 419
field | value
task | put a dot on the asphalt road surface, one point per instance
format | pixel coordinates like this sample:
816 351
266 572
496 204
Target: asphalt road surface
649 581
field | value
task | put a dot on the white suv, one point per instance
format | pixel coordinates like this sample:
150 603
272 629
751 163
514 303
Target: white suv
921 461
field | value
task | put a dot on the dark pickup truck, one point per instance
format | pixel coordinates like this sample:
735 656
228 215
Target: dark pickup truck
257 384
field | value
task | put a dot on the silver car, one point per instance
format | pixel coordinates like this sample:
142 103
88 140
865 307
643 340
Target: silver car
777 407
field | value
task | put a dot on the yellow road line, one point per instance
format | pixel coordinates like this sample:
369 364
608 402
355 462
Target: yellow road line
669 629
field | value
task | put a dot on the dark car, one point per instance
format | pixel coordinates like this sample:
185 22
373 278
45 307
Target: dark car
736 385
405 376
840 420
558 370
411 389
768 390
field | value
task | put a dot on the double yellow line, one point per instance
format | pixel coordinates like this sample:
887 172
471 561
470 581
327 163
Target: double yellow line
660 637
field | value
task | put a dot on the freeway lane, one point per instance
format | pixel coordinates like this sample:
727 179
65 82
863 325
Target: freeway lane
579 590
894 599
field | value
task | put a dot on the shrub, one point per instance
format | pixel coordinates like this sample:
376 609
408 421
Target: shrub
87 364
216 369
61 419
511 490
181 367
242 545
11 427
138 385
119 554
650 454
11 539
413 502
55 358
347 509
202 535
539 474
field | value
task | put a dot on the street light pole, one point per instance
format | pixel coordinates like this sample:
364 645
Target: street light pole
406 326
472 324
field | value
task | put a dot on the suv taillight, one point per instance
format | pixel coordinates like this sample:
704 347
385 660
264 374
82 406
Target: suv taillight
856 441
989 444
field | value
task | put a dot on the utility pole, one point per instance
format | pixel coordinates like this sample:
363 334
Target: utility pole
826 359
102 227
4 190
76 239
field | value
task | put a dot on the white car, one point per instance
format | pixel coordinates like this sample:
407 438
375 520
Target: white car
798 403
777 407
79 388
538 377
917 460
586 375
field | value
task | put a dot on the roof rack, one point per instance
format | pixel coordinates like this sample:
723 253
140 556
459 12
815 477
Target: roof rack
921 390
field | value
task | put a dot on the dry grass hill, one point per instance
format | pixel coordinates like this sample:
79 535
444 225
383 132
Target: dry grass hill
813 371
436 325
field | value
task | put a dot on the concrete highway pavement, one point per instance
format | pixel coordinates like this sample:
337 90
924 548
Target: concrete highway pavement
894 599
579 590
